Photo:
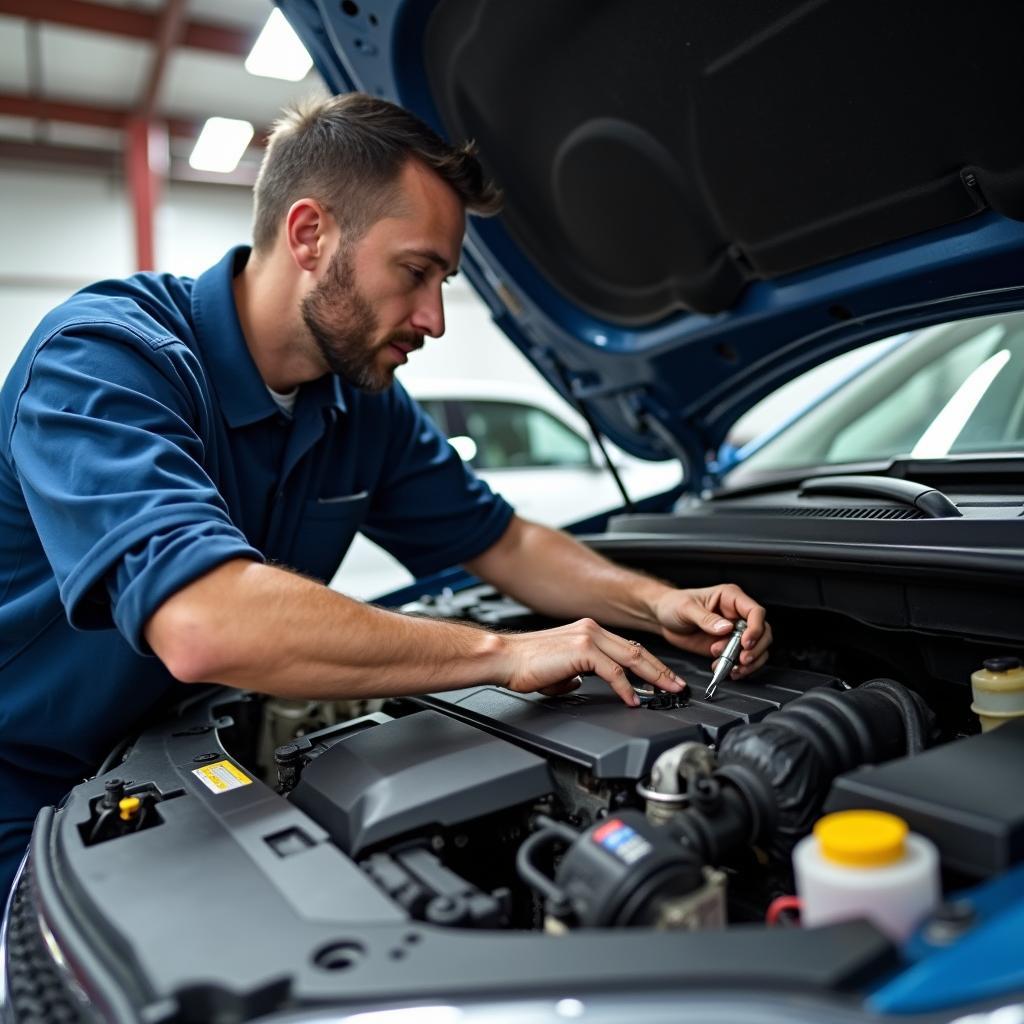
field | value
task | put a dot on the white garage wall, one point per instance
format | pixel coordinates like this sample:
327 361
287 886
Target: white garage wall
62 224
197 224
58 231
61 230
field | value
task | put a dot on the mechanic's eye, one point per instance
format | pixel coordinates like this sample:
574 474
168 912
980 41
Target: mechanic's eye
417 272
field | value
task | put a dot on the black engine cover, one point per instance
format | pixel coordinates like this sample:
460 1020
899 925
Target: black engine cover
407 774
594 729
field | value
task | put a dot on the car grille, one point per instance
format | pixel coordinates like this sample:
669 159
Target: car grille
35 987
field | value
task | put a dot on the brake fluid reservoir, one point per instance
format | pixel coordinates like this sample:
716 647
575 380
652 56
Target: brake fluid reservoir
866 864
998 691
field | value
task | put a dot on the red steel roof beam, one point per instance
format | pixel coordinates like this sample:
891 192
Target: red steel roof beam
170 29
130 23
145 151
14 105
205 35
62 156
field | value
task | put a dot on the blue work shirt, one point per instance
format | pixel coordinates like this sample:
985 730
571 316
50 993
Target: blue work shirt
140 449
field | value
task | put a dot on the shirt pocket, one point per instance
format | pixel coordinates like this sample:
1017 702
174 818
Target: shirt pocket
325 532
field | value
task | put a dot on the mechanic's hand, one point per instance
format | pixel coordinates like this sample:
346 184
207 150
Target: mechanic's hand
701 621
549 660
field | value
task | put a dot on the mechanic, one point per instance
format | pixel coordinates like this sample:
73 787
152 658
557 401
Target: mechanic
184 463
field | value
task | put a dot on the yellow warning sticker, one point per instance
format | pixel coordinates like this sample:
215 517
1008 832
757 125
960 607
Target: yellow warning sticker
221 776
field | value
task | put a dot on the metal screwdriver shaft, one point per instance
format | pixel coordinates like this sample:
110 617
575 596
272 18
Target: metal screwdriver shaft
728 659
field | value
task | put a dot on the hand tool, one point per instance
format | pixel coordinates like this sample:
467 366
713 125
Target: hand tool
728 659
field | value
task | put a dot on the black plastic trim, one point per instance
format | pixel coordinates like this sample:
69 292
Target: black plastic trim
931 502
105 990
969 550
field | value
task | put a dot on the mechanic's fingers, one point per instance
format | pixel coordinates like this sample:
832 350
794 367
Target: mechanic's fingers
633 655
749 670
711 621
747 608
562 688
615 676
743 670
760 649
731 603
757 637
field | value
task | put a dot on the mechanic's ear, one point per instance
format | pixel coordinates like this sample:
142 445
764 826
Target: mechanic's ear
310 233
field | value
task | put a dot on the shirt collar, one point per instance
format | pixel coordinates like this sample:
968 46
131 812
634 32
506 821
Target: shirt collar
240 389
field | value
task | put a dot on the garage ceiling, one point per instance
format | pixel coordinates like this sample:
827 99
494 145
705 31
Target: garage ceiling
74 72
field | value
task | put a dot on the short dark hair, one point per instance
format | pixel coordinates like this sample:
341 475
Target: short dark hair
347 152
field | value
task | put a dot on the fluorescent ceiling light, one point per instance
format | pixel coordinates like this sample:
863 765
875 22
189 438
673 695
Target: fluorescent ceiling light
221 144
278 53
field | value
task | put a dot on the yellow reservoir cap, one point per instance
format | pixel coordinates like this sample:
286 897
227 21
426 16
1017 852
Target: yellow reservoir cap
861 839
129 807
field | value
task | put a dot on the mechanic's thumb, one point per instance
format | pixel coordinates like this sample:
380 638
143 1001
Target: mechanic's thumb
562 688
714 623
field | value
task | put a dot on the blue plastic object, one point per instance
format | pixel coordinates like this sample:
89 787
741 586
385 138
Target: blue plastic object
985 961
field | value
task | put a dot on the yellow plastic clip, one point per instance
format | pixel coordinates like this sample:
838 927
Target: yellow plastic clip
129 808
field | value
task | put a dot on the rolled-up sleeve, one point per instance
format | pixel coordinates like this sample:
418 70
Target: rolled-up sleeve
108 444
430 510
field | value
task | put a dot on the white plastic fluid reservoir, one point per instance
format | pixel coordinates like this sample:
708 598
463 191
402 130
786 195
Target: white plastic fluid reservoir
998 688
866 864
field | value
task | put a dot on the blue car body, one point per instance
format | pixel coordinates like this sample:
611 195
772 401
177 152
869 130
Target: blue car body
673 386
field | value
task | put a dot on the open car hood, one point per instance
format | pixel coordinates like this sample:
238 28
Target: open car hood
705 200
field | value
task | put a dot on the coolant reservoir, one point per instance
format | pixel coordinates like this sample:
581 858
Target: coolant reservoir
998 691
866 864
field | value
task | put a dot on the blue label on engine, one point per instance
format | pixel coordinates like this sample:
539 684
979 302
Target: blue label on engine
618 837
621 841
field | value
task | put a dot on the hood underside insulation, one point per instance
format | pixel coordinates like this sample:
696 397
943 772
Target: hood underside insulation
659 156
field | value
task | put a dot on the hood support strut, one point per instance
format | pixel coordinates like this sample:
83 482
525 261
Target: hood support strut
581 408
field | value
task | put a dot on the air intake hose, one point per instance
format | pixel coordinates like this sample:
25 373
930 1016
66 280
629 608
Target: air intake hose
773 776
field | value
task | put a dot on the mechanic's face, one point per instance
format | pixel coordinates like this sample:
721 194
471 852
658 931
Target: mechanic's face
381 295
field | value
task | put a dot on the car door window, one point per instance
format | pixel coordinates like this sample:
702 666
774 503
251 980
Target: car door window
435 409
510 435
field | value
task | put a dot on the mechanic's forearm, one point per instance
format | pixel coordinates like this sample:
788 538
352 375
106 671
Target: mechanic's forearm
554 574
254 626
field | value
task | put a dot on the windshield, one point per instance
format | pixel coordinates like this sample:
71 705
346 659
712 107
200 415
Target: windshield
952 389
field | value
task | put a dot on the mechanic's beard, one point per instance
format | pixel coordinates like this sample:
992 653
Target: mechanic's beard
344 327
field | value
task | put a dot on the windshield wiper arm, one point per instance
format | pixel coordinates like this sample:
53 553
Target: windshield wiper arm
933 503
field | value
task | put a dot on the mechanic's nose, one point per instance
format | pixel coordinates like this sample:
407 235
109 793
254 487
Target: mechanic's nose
429 316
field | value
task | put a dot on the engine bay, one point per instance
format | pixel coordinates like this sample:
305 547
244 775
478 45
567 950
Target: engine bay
422 846
487 808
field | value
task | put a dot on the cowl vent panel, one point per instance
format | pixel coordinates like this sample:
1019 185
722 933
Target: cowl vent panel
841 512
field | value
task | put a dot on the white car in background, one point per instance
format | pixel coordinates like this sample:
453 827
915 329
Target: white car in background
532 448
